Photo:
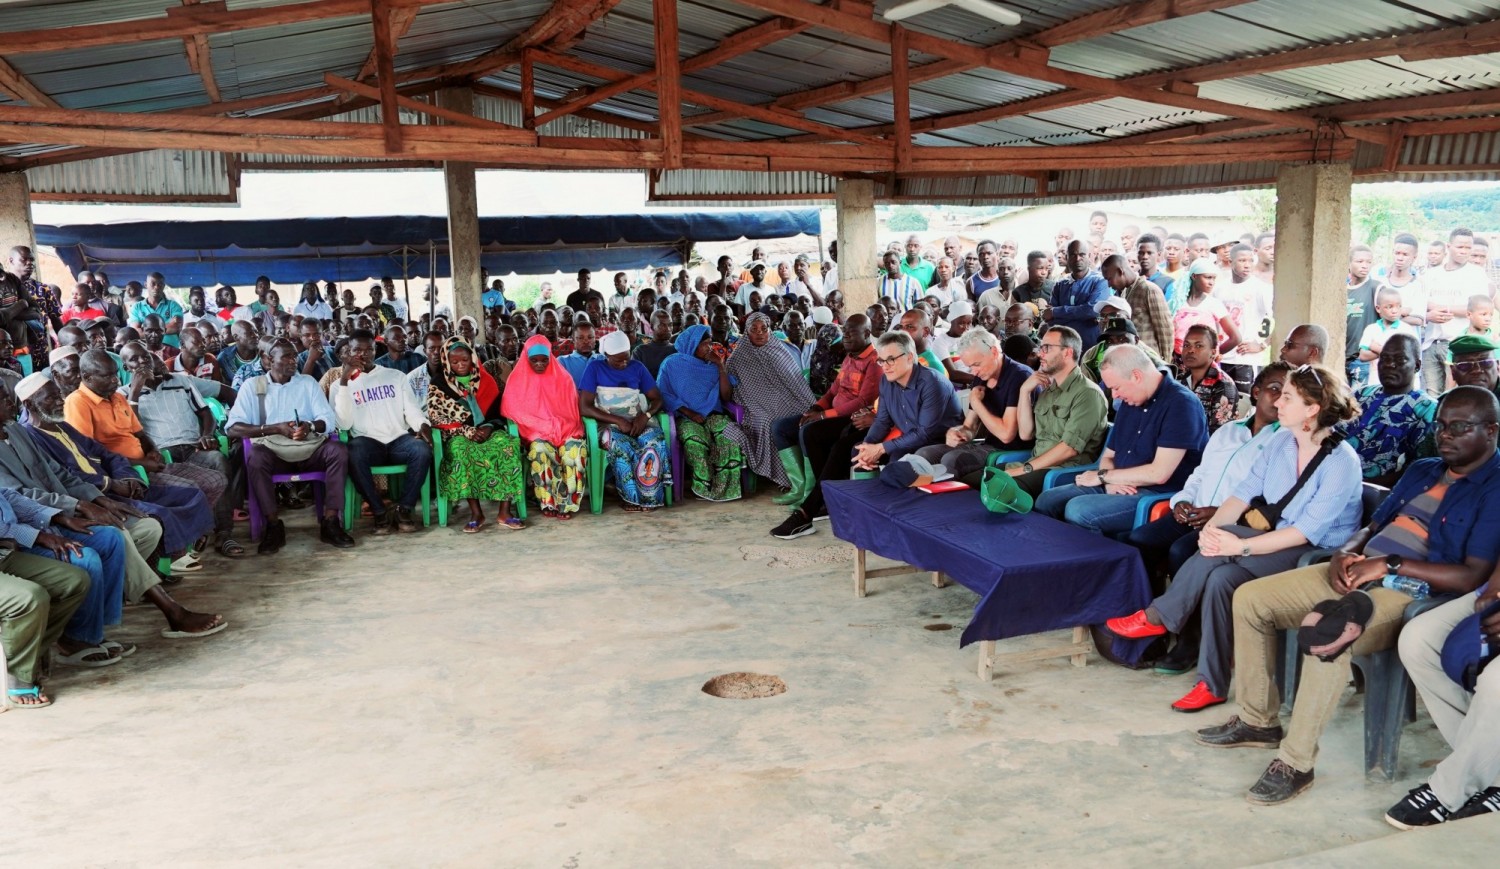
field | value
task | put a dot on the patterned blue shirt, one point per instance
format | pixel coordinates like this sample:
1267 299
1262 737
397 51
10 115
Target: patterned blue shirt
1393 430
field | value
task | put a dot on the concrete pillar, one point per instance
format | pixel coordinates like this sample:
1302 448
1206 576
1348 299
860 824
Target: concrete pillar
15 212
859 267
463 219
1312 251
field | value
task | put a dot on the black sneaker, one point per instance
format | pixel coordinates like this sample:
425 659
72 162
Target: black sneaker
272 538
1419 808
1278 784
333 533
380 524
796 525
1482 803
1235 733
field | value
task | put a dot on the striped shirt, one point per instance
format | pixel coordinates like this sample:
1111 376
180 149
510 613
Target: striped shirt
1406 535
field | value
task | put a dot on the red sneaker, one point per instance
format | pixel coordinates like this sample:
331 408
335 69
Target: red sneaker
1134 626
1198 698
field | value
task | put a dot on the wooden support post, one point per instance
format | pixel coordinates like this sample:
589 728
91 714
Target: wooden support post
901 98
668 82
859 572
1081 640
385 72
528 91
986 660
937 579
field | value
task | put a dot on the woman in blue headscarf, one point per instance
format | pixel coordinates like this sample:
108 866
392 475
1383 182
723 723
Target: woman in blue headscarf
694 384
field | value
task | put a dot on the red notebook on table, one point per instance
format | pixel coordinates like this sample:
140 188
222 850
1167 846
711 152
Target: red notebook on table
944 486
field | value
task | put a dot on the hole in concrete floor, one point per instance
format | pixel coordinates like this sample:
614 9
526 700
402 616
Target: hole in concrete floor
940 626
744 686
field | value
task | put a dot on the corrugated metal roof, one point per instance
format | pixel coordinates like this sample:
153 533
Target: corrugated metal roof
198 175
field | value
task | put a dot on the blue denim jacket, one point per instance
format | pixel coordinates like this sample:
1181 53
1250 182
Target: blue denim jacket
1467 522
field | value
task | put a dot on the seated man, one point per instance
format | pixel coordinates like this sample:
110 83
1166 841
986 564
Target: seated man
386 427
1463 784
1473 362
1305 345
1156 442
1199 371
315 360
33 473
1066 421
991 424
174 418
1394 428
918 325
1440 525
914 400
396 356
583 349
419 378
194 359
38 597
285 403
154 334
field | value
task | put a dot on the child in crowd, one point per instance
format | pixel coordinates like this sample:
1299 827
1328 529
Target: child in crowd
1481 319
1388 308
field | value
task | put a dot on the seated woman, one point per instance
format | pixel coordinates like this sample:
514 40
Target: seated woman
1303 492
481 461
828 355
618 392
694 382
769 385
542 401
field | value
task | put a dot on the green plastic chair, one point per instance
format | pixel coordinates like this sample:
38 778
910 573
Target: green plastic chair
394 474
163 564
221 417
442 497
597 458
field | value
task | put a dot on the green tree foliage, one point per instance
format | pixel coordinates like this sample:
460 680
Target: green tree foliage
1260 207
906 218
1477 209
1379 214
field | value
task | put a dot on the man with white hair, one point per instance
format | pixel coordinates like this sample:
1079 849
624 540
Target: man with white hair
1158 438
990 425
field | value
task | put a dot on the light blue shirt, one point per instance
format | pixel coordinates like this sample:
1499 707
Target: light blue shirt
1327 509
21 518
1226 461
299 398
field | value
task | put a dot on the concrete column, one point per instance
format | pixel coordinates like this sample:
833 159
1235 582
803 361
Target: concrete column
463 219
15 211
859 267
1312 247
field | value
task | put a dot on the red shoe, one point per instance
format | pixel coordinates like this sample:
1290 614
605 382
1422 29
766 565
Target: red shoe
1134 627
1198 698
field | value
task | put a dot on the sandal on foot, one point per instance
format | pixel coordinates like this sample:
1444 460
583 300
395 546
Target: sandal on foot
1335 625
119 650
473 526
229 548
33 691
633 508
170 634
187 564
91 656
510 524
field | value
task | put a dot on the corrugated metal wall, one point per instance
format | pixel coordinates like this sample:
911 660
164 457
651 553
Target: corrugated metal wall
166 175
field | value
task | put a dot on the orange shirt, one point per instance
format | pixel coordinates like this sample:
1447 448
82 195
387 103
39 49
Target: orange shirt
112 423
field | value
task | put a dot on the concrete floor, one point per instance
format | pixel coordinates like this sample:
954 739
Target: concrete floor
533 699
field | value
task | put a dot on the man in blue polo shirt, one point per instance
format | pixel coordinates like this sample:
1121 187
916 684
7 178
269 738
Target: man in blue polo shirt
1156 442
1074 297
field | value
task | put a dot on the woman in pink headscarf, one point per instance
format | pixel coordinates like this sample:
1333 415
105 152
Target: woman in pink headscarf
541 399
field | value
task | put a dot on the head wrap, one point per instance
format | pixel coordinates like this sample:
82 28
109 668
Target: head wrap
543 406
30 384
1204 266
615 342
685 381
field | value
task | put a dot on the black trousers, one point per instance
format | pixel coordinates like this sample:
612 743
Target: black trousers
828 445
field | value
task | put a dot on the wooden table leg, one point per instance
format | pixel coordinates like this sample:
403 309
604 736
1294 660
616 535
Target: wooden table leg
937 579
1081 639
986 660
859 572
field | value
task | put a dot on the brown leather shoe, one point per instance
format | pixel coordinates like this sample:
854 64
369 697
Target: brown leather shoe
1235 733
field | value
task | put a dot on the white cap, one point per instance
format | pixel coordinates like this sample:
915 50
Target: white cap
960 308
615 342
60 353
30 384
1116 302
822 315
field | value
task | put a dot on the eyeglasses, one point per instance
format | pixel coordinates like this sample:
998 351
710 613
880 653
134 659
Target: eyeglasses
1475 365
888 361
1014 320
1457 428
1044 348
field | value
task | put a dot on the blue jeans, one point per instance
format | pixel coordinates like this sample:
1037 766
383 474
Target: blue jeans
785 432
1090 508
408 450
103 559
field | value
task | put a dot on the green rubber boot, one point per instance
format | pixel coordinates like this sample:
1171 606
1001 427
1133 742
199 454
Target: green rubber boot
791 460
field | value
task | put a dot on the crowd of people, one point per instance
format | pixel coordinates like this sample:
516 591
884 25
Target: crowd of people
1141 362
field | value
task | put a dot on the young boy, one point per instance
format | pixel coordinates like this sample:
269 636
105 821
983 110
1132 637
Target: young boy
1481 318
1388 309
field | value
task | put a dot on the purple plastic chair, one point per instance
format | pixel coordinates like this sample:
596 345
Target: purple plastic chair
679 458
257 519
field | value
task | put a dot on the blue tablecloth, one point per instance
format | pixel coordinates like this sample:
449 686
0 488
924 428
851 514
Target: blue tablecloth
1032 573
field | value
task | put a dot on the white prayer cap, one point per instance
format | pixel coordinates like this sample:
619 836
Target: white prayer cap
822 315
615 342
30 384
60 354
1116 302
960 308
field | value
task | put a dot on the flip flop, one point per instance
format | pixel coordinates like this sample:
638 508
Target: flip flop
189 635
511 524
187 564
229 548
121 650
33 691
81 658
1335 625
473 527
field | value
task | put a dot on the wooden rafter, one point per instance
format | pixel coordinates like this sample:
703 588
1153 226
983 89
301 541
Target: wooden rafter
668 82
385 73
563 21
18 86
371 93
200 58
400 22
901 98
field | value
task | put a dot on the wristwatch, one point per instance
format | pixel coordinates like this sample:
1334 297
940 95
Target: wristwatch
1100 474
1245 551
1393 564
1026 468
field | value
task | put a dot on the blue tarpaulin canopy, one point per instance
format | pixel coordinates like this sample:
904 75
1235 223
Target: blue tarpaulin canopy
341 249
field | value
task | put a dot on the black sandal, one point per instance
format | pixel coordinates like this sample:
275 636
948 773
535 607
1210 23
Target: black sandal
1335 625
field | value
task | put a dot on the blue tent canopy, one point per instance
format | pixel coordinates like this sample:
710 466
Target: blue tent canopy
341 249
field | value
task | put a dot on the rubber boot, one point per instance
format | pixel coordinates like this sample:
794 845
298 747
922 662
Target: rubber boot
791 461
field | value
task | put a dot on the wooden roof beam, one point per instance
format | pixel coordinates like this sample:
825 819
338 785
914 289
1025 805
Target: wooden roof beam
400 23
19 87
385 73
199 57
